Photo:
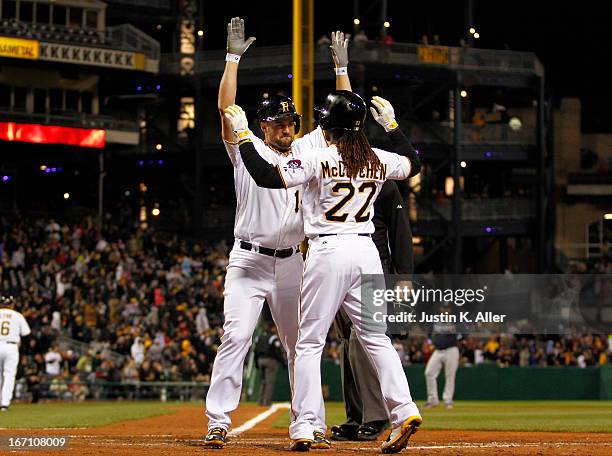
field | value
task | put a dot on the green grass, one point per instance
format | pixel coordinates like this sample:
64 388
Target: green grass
548 416
84 414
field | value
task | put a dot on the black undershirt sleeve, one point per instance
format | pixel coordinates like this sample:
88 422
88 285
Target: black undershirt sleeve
403 146
263 173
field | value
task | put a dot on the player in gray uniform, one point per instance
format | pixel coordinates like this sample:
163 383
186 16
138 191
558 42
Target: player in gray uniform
444 336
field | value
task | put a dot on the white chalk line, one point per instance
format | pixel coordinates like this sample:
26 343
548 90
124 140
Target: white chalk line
250 424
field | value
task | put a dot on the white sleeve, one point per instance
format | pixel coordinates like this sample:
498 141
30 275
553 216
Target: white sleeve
233 151
300 170
397 166
25 328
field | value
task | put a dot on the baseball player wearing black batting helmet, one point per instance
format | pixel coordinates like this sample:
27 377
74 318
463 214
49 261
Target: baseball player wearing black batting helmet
277 107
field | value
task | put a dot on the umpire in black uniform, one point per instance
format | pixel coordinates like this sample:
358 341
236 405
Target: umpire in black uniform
365 410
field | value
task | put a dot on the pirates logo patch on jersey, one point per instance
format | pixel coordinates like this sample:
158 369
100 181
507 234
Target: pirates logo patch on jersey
293 164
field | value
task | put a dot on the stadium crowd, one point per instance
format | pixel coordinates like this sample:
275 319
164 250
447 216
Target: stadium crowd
151 298
145 305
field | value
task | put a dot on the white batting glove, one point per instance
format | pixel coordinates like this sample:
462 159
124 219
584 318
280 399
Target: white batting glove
238 121
383 113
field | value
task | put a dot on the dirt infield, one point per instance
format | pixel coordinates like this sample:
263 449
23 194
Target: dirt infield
180 434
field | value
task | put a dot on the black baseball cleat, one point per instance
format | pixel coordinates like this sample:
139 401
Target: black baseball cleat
320 442
300 445
344 432
372 430
216 438
399 436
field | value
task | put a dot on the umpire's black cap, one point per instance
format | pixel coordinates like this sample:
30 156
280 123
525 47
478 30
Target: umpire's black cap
342 110
277 106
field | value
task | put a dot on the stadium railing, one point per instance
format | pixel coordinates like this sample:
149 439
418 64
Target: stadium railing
269 57
62 389
482 209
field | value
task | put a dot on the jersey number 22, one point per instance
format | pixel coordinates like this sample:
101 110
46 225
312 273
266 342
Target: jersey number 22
368 187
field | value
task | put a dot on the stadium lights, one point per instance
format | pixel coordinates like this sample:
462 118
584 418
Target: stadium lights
66 196
6 178
43 167
476 35
155 212
463 94
608 216
472 30
158 146
356 21
386 24
463 164
200 33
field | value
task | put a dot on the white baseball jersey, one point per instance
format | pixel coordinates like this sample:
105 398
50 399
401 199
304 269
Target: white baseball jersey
333 202
273 219
270 217
13 326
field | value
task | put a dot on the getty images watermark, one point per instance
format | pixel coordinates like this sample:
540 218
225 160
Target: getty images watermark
488 303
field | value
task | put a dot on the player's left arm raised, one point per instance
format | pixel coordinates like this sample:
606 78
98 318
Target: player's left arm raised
384 114
264 174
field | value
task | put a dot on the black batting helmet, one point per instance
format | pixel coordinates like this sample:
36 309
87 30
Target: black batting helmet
342 110
276 107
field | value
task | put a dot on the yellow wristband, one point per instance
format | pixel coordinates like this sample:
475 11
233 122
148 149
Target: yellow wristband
242 134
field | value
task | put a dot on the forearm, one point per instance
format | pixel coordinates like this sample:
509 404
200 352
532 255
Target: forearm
403 146
343 82
227 96
263 173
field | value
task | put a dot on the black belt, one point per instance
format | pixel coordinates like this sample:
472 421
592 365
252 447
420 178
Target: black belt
337 234
14 343
279 253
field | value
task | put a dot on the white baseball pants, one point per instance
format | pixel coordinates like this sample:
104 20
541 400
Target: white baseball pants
252 278
450 358
9 358
333 278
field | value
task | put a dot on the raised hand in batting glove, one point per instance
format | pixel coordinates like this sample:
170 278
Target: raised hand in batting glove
383 113
236 45
238 121
339 49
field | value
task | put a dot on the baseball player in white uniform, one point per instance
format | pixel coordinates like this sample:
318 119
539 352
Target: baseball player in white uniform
265 263
342 182
13 326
